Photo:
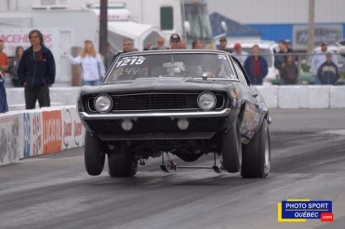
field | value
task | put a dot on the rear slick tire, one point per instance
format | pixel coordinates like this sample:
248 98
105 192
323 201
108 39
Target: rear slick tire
94 157
256 156
122 165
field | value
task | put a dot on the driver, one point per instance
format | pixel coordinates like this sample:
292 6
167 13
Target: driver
212 68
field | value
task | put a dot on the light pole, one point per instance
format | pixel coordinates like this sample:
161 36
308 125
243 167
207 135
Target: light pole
103 27
311 21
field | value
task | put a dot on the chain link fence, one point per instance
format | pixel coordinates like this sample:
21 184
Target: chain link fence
295 68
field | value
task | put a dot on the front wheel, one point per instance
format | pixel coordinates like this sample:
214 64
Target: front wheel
231 149
93 155
122 165
256 157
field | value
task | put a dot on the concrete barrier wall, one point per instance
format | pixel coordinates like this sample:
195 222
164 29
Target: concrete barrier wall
30 133
284 97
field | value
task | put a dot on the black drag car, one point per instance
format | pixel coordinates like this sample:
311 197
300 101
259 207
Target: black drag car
186 103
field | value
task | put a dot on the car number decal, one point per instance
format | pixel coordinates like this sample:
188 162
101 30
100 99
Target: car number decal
222 57
132 60
129 71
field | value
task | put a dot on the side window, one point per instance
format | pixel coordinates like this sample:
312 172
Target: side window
240 73
167 18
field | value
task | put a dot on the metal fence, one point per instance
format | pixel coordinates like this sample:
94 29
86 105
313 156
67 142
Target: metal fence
295 69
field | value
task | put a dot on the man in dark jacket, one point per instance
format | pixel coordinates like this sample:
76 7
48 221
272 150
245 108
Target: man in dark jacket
328 72
36 72
127 45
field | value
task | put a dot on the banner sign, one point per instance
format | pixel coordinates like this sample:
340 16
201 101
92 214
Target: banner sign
52 131
11 137
329 33
20 37
73 131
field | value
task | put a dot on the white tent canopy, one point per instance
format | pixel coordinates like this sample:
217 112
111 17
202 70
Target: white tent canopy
141 34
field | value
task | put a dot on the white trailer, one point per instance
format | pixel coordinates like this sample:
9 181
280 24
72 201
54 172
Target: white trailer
69 26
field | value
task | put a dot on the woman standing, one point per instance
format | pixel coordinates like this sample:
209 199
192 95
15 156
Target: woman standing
13 66
91 63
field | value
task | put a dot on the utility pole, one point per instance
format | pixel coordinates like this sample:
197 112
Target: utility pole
103 26
311 21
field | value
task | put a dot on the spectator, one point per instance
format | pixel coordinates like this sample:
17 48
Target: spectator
328 72
175 41
127 46
288 45
240 55
318 58
197 44
149 46
183 44
92 65
36 71
3 59
161 43
108 58
289 74
223 45
3 98
256 66
280 59
13 66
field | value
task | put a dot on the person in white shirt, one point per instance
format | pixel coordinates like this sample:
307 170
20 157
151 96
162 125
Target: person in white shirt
92 65
319 58
240 55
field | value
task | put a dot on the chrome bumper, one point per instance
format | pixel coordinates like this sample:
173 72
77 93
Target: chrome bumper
172 115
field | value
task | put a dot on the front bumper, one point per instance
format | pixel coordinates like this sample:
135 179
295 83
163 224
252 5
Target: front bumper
158 126
172 115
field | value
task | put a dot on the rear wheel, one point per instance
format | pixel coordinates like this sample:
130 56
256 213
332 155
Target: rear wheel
232 149
122 165
256 156
93 155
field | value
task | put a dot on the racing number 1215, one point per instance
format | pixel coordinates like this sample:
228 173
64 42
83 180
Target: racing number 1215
128 61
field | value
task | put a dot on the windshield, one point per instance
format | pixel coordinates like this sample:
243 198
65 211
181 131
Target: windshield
171 65
265 53
199 20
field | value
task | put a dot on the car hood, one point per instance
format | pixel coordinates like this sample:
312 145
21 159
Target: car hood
162 84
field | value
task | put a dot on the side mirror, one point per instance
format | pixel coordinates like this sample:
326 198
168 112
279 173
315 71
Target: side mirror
186 26
224 27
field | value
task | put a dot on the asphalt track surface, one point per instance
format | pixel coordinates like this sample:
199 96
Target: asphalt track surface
308 161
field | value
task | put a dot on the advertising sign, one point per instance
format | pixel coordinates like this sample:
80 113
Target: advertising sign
20 37
73 130
52 131
11 138
329 33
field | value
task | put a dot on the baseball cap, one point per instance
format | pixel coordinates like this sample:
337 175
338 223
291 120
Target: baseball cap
237 46
287 41
323 43
175 36
329 54
222 39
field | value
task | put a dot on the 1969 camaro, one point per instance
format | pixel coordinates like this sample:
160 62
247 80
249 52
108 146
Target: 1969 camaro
186 103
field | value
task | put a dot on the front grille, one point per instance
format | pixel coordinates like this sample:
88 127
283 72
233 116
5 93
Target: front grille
157 101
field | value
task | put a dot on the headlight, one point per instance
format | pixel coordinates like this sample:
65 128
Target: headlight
103 103
207 101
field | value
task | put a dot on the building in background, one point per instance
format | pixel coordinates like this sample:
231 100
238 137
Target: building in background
286 19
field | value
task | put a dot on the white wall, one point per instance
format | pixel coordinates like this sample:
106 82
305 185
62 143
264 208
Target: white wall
278 11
